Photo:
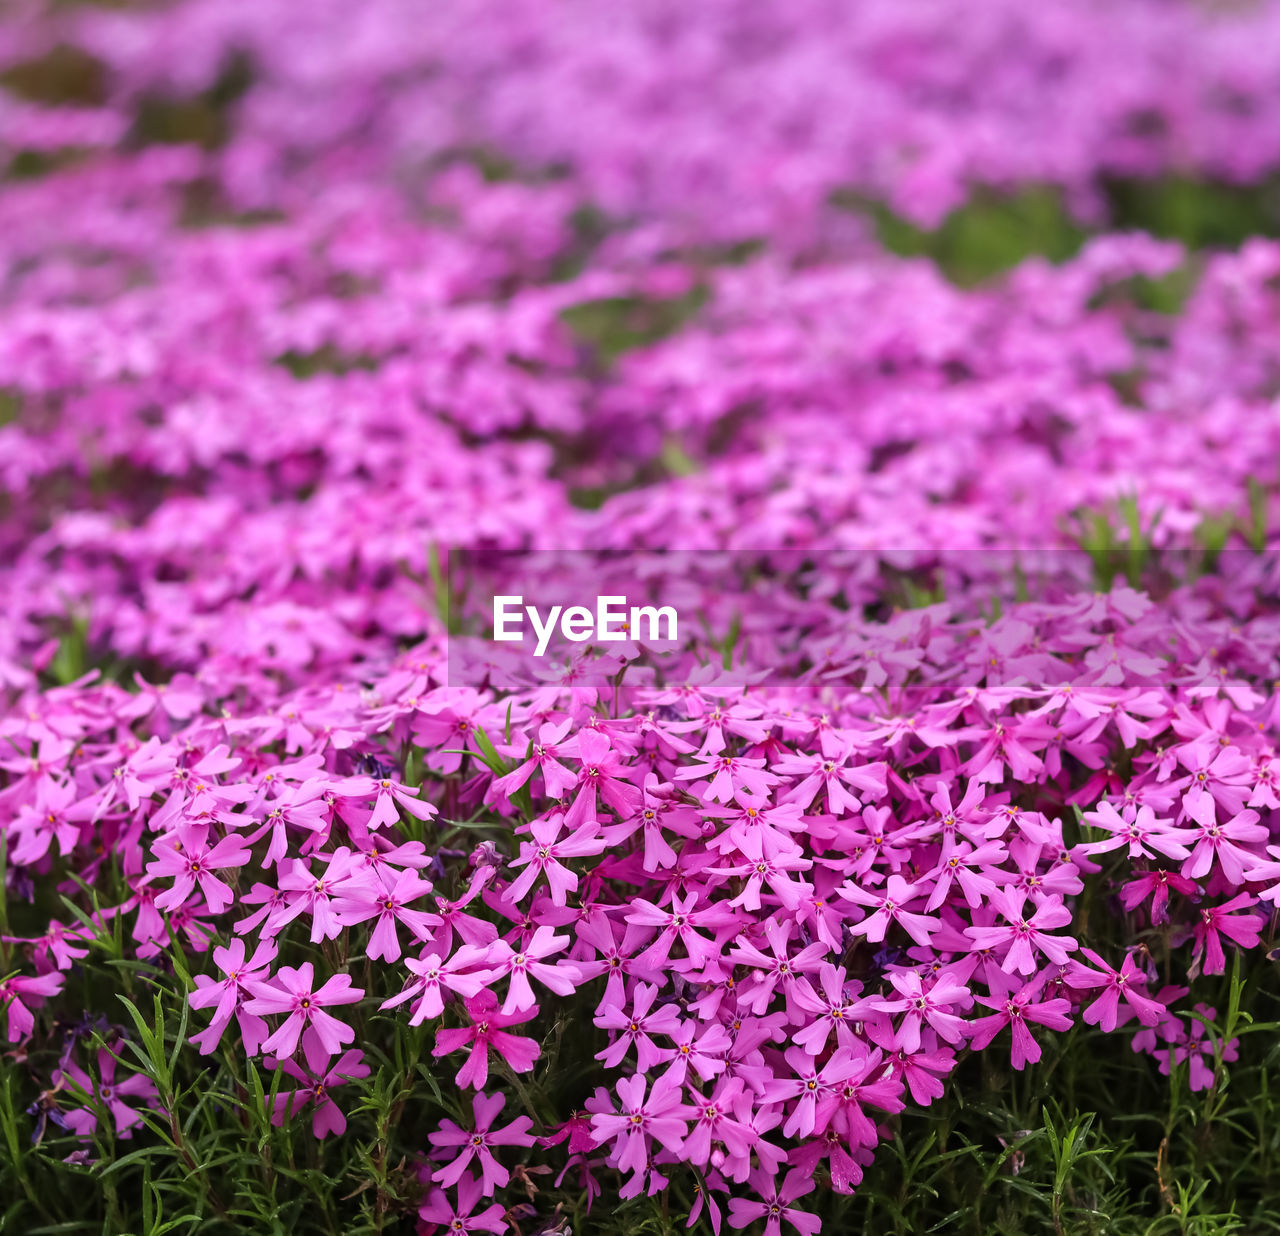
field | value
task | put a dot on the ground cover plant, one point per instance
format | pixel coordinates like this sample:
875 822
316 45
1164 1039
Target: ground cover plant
924 357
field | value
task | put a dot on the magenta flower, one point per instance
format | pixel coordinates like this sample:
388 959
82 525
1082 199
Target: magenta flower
230 995
1216 842
929 1006
1123 983
660 1117
21 994
832 776
1222 774
385 896
478 1144
1015 1010
659 817
828 1008
768 866
604 774
462 972
1144 834
313 894
527 963
679 923
872 1083
811 1087
714 1121
542 857
702 1200
486 1033
923 1070
974 869
633 1027
1215 922
778 967
1025 936
773 1204
731 777
293 992
1156 885
700 1048
889 906
463 1219
187 857
327 1117
543 758
61 945
389 798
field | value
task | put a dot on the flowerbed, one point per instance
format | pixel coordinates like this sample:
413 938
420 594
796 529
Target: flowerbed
321 912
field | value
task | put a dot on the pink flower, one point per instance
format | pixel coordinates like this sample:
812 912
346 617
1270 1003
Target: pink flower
811 1086
390 798
543 759
479 1143
605 774
634 1026
1015 1010
463 1219
527 962
327 1118
1142 832
1023 935
386 896
660 1117
22 993
291 992
921 1006
767 866
831 776
463 972
873 1082
191 861
313 894
542 857
107 1091
830 1009
679 923
732 777
698 1047
889 906
1222 774
1216 842
774 1204
974 870
1104 1011
923 1070
714 1121
231 994
486 1033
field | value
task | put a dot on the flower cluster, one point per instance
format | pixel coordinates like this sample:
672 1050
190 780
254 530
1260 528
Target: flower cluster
787 910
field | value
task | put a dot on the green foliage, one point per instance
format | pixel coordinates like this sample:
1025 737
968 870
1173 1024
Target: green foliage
1093 1140
617 324
993 232
1199 213
989 234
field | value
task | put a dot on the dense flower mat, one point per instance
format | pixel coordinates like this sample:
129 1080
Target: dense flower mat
974 743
